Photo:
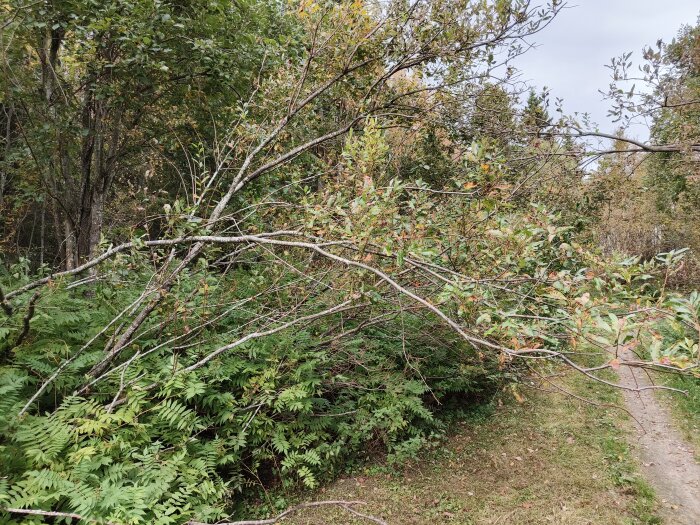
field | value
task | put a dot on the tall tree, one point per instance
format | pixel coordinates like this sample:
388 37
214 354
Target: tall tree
94 86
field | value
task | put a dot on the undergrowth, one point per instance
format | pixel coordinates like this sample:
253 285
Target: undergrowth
293 408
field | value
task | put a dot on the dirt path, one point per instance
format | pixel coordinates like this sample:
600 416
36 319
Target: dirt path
666 459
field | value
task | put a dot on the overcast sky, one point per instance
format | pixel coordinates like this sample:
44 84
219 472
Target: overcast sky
573 51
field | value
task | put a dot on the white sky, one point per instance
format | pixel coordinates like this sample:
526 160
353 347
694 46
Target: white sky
573 51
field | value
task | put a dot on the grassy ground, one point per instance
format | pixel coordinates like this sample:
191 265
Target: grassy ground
549 460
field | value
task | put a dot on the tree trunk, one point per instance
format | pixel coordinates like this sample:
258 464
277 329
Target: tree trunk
96 220
4 168
69 239
104 153
42 234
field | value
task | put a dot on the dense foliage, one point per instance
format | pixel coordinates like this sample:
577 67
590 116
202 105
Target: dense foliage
648 201
247 245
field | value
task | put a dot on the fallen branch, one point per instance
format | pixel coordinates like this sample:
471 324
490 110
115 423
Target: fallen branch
75 356
7 308
273 239
127 246
640 147
346 305
345 505
53 514
27 318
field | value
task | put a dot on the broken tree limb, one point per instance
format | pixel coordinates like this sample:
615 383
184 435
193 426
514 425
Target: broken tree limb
345 505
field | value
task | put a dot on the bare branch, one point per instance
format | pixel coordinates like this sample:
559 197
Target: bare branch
256 335
345 505
4 304
641 146
53 514
27 319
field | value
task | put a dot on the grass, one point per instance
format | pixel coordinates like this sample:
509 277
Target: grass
551 459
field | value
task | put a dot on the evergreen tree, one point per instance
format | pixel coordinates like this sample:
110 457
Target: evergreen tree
535 117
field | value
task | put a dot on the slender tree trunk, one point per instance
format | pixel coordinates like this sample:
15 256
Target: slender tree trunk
69 239
42 232
66 228
4 168
56 224
96 220
89 148
105 154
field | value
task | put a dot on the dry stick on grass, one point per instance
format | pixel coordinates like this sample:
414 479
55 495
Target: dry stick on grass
345 505
52 514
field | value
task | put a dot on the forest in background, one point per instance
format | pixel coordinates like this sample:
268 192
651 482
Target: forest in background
248 245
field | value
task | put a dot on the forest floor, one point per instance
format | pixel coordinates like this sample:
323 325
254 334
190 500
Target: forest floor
552 459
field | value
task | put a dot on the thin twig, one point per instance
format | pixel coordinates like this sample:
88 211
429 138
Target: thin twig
54 514
345 505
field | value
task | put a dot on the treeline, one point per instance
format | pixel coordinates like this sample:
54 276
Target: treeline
646 202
